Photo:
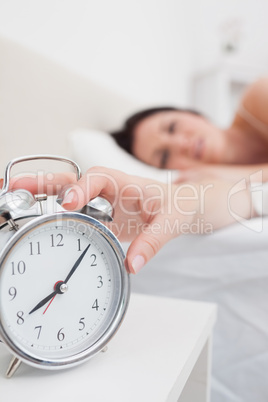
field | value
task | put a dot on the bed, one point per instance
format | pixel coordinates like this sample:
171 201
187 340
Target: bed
45 108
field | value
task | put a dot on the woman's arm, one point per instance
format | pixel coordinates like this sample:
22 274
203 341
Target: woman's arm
151 213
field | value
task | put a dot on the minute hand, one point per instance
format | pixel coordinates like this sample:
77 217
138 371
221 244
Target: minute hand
76 265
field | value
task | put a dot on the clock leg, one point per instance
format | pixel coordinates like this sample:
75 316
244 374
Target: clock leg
13 366
104 349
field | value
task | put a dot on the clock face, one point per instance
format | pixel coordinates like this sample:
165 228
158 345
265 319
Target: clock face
63 290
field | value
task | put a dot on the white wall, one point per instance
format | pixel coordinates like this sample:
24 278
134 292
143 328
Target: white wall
243 20
135 47
144 49
220 77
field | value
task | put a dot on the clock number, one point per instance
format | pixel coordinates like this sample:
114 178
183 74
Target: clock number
79 245
21 267
39 327
93 264
60 335
82 324
96 305
58 242
20 319
38 251
13 293
100 282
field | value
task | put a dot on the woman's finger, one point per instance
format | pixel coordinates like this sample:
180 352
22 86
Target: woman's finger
152 238
98 181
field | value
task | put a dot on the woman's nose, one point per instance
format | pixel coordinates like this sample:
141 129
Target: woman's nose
181 143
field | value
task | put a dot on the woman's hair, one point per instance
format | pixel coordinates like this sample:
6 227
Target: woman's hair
124 137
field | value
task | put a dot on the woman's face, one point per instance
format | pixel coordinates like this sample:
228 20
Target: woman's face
177 140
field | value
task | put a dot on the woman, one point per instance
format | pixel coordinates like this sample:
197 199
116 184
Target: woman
173 138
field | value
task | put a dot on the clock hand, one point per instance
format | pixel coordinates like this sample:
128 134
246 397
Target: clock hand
49 304
46 299
77 263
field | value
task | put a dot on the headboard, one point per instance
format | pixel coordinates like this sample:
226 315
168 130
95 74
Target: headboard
41 102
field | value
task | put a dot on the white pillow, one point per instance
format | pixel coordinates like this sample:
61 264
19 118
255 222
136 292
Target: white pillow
96 148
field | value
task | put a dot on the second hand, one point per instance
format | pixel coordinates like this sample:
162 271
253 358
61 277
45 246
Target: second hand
49 304
52 297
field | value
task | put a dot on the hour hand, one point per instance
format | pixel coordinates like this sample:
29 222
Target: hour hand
46 299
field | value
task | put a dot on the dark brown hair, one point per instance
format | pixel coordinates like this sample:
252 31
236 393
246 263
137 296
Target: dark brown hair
124 137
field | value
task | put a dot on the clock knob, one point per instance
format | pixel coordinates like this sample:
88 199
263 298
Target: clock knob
13 203
17 200
99 208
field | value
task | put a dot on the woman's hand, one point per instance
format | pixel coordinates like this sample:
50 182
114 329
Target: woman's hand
144 210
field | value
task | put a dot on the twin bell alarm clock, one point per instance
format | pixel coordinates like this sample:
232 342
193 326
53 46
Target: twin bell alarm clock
64 290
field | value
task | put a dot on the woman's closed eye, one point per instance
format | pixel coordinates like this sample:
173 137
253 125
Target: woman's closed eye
172 127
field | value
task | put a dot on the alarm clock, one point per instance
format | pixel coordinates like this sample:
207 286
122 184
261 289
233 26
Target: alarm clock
64 290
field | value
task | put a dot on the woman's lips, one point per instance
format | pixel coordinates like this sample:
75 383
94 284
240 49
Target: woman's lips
198 149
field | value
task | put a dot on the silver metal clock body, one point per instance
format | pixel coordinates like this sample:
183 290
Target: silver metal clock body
64 290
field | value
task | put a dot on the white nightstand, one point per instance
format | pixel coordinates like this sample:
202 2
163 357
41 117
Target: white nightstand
162 352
